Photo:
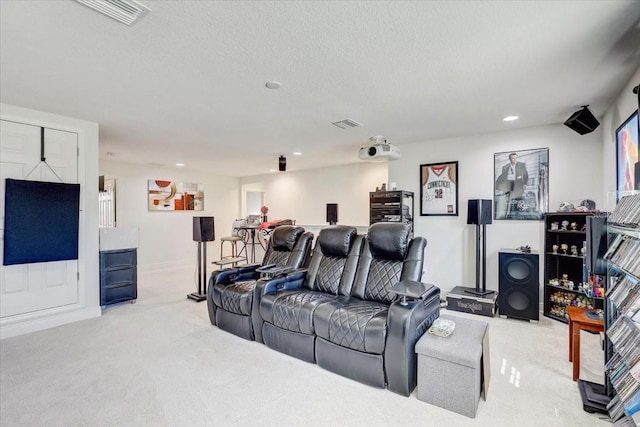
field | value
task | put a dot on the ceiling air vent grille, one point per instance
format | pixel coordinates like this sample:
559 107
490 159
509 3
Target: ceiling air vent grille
346 124
126 11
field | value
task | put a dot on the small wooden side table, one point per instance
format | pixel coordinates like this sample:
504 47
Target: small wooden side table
578 320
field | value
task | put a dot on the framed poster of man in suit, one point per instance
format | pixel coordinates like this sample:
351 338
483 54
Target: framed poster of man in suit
521 188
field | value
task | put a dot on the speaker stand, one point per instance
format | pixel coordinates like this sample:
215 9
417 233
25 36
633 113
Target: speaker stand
201 295
480 236
594 398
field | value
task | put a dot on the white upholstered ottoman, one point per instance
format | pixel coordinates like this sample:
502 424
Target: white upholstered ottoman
450 369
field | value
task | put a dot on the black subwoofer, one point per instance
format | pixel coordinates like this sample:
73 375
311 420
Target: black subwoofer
518 284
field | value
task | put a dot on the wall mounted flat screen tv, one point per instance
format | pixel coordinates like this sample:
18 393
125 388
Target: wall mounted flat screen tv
41 221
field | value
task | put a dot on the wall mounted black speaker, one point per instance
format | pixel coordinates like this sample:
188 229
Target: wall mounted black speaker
203 229
101 183
332 213
479 211
518 284
582 121
282 163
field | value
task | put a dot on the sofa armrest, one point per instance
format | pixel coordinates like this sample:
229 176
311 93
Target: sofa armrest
286 282
412 289
291 280
274 271
266 268
233 274
406 323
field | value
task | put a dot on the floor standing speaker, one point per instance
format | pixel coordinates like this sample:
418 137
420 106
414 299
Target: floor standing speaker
203 232
519 286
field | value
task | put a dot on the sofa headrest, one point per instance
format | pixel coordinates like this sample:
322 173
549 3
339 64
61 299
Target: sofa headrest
284 237
337 240
389 241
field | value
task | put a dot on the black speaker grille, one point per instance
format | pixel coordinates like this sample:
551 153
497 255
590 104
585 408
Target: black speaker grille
203 229
518 300
518 270
519 286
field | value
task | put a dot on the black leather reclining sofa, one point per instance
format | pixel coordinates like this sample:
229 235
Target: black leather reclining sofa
341 312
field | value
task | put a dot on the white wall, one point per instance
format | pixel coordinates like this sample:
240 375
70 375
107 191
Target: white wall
89 286
303 195
575 173
166 238
625 105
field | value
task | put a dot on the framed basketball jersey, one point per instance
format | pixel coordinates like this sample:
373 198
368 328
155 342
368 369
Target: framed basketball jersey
439 189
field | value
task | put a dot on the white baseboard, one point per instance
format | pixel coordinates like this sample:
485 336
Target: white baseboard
38 321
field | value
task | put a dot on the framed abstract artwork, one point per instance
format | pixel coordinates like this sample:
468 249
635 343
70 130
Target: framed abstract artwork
175 196
439 189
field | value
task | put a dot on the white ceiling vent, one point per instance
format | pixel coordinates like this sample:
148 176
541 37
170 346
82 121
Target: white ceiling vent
126 11
346 124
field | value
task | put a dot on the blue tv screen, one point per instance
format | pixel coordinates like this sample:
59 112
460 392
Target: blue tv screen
41 221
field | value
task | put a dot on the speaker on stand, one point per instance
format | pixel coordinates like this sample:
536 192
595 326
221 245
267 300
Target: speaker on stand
332 213
519 285
479 213
203 232
476 300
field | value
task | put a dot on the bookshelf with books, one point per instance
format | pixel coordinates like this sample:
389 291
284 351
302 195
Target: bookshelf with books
622 320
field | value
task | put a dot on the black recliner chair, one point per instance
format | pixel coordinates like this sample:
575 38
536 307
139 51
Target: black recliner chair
230 291
287 305
370 336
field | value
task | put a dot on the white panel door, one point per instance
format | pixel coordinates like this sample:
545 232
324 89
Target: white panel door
28 288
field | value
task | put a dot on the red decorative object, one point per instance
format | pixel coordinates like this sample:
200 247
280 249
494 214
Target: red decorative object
264 210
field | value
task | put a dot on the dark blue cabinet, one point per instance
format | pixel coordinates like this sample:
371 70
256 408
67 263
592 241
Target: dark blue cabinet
118 276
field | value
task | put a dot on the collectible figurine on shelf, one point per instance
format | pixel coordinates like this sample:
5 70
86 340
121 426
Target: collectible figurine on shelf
554 248
554 225
574 225
574 250
564 225
564 248
566 282
583 250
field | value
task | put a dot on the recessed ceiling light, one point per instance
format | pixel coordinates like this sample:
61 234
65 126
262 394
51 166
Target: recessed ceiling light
510 118
273 85
297 153
179 164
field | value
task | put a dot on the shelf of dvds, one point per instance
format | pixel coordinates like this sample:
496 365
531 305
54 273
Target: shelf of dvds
622 320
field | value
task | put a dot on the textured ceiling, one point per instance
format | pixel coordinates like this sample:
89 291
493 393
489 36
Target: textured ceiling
186 84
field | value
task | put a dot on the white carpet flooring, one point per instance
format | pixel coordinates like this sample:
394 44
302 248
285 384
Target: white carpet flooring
160 362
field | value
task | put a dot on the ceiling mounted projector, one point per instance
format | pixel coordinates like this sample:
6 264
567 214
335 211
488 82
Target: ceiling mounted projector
379 151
